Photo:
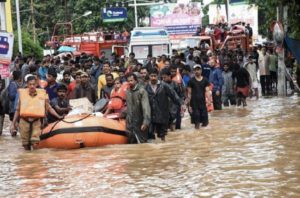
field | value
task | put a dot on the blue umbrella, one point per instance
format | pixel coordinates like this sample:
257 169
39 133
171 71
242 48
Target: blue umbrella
66 49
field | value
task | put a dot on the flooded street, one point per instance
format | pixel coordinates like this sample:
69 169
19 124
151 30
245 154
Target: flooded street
244 152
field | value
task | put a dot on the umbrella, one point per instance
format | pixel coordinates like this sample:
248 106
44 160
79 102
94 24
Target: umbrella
66 49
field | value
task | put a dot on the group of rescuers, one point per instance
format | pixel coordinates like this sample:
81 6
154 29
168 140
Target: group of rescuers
146 105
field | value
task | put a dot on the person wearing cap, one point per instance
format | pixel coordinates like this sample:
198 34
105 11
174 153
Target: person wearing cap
85 89
51 83
60 104
197 90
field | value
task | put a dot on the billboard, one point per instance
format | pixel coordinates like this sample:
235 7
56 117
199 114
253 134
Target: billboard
176 18
4 70
6 47
244 13
217 14
114 14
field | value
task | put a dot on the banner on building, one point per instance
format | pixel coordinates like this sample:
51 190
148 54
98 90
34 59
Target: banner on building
4 71
116 14
6 47
217 14
244 13
176 18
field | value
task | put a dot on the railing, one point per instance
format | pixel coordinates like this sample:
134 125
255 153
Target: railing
74 40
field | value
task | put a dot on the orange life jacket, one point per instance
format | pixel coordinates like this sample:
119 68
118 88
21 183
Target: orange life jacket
210 107
118 98
32 107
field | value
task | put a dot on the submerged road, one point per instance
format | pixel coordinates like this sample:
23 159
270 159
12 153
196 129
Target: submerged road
244 152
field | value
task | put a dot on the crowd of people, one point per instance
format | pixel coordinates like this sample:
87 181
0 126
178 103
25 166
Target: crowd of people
157 91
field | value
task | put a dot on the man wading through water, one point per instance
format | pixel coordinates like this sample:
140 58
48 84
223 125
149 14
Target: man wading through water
31 109
198 88
160 95
138 111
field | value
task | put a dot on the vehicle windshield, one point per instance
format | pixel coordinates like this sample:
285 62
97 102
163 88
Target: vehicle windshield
191 42
141 51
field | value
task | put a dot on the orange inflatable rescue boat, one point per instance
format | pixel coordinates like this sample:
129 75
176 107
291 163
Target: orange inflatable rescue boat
80 131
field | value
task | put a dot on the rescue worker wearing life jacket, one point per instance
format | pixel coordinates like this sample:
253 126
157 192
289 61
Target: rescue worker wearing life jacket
31 109
117 97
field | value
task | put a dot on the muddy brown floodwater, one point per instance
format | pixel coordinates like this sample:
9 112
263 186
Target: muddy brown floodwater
244 152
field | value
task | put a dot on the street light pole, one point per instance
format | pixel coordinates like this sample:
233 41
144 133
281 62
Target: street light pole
19 27
87 13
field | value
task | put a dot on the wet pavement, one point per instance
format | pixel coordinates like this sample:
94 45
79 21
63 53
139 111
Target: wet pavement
244 152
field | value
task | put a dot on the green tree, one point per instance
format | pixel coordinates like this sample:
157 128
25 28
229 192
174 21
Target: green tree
267 10
48 13
29 47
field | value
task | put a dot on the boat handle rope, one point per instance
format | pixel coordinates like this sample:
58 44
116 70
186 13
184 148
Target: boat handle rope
69 122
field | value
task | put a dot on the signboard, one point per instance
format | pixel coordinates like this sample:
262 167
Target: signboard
114 14
244 13
4 70
217 14
176 18
6 47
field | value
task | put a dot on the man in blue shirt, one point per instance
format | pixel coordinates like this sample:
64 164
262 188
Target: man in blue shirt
43 70
217 80
52 86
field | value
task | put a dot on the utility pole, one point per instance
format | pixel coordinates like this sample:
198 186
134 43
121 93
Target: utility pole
19 27
2 16
135 14
281 86
33 21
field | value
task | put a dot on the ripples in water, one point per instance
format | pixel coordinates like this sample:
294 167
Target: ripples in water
251 152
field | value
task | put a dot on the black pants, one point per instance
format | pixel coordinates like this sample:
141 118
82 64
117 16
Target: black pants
273 75
199 116
265 82
178 118
11 116
217 100
160 129
229 98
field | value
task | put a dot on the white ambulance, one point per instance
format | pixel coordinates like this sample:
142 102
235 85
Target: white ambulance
149 40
